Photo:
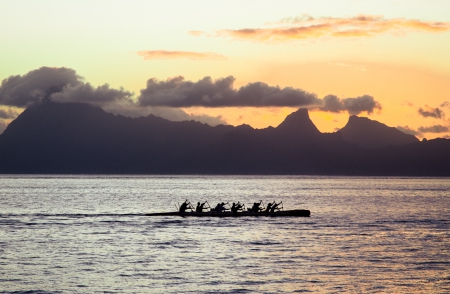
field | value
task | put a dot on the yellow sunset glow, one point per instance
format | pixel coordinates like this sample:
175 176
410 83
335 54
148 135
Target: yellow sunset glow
396 53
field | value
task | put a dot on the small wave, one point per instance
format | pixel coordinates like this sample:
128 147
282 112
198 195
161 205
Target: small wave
30 292
71 215
264 243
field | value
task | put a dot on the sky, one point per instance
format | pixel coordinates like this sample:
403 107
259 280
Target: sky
233 62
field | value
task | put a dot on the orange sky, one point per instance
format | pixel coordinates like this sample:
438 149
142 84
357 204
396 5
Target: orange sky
393 51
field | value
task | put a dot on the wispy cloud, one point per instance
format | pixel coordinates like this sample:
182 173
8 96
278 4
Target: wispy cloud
408 130
306 27
164 54
348 65
408 103
434 129
196 33
428 111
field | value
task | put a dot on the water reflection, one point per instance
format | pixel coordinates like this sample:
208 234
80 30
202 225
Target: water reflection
364 236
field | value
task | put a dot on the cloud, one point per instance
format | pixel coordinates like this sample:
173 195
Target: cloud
8 114
132 109
3 125
64 85
445 104
36 85
163 54
176 92
408 130
434 129
408 103
305 27
348 65
332 103
161 98
85 93
196 33
431 112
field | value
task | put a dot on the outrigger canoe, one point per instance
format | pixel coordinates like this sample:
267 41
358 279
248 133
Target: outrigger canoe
283 213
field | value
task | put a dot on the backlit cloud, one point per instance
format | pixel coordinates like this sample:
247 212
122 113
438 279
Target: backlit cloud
354 106
305 27
8 114
165 98
434 129
36 85
64 85
177 92
408 130
428 111
164 54
86 93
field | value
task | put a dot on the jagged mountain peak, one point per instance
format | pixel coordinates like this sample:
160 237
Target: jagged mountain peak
299 122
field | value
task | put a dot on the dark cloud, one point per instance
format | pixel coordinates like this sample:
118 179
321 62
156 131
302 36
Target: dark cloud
56 84
431 112
332 103
445 104
162 98
7 114
360 104
354 106
85 93
64 85
260 94
176 92
36 85
434 129
121 102
408 130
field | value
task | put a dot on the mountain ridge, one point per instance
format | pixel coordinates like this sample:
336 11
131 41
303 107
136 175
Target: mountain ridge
78 138
373 134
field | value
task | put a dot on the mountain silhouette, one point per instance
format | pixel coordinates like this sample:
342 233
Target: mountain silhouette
372 134
299 123
75 138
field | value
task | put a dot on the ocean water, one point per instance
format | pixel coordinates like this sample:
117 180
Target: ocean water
88 234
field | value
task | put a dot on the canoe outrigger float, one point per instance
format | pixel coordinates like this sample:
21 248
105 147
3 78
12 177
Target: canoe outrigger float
297 213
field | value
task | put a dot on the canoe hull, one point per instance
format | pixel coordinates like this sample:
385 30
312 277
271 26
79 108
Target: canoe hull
283 213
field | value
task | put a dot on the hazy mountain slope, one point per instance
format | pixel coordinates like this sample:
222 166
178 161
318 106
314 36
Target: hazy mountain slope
372 134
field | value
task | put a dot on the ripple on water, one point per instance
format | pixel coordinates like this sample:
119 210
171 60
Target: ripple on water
90 234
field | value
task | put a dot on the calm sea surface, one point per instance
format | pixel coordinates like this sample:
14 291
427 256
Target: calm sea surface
87 234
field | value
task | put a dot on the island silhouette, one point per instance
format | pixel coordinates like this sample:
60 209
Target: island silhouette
77 138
